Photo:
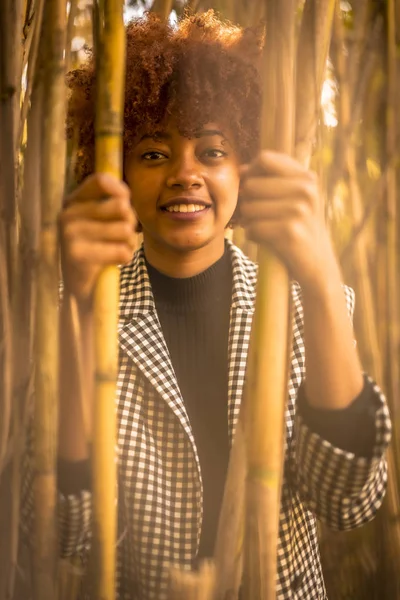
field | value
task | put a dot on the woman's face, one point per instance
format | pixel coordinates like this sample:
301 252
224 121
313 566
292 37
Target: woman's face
184 191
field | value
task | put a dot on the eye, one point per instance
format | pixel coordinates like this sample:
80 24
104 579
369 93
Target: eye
152 155
214 153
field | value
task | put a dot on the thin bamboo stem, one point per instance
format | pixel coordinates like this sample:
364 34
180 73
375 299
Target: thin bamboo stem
356 101
392 329
187 585
5 353
47 339
32 64
24 310
10 74
10 85
228 553
393 315
370 334
162 8
110 94
375 199
266 388
73 7
313 46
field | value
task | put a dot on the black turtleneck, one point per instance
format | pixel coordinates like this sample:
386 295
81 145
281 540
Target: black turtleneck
194 315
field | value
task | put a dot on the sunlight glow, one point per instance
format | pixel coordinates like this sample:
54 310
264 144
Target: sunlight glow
328 101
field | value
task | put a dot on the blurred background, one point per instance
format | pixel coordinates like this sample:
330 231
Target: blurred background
348 130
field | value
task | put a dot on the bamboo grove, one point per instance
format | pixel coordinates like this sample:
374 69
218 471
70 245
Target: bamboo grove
333 83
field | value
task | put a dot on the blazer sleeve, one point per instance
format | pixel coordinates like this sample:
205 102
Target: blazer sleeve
342 489
73 511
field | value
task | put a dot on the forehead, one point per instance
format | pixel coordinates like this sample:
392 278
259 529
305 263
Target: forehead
170 132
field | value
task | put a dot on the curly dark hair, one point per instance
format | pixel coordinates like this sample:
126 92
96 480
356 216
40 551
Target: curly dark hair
202 70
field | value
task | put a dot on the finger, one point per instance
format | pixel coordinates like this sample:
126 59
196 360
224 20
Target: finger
278 164
271 234
115 231
82 252
259 210
280 236
98 186
278 187
114 209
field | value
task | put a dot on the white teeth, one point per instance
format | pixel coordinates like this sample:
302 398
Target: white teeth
185 208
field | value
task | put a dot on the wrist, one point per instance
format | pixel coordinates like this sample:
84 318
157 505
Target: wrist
326 281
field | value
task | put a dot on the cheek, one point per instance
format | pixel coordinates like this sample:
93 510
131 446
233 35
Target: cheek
228 191
144 195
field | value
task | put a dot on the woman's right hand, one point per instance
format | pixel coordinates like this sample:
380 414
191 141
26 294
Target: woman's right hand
97 227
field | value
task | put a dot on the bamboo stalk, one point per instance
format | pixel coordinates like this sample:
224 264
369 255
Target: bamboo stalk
5 353
162 8
10 85
47 343
35 28
391 527
189 585
393 330
228 553
369 333
266 388
313 46
358 89
371 344
24 310
73 8
110 94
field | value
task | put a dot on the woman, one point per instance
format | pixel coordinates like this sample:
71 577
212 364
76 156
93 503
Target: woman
191 149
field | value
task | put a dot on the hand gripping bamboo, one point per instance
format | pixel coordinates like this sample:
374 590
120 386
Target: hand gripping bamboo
109 117
267 380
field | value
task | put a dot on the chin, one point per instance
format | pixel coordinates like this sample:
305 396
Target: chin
188 244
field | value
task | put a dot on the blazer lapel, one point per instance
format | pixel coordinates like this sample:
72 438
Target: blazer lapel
141 337
242 310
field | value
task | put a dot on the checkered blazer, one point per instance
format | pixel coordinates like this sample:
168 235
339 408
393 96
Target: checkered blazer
160 488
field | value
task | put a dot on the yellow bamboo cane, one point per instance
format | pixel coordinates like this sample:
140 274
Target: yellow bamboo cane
391 351
314 40
266 388
110 95
46 377
162 8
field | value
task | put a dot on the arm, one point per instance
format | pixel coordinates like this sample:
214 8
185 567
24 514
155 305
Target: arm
341 475
333 369
280 208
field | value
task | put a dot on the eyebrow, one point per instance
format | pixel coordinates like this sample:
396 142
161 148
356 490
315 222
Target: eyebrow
163 135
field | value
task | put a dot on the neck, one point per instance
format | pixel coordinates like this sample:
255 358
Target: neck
183 263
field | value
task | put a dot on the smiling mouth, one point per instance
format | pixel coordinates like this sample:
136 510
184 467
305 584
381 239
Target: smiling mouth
185 208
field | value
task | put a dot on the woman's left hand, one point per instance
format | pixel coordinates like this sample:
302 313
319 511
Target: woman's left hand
281 208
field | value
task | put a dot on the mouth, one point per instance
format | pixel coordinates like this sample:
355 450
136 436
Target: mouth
185 209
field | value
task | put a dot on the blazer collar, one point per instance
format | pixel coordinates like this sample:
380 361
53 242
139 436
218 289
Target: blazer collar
140 333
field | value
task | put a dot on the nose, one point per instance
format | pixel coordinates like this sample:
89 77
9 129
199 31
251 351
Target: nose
185 172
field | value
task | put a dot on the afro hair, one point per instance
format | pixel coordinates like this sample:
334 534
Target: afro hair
202 70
